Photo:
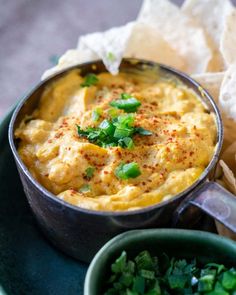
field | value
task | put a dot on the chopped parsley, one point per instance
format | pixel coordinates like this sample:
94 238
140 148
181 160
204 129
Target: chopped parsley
89 172
126 171
89 80
150 275
116 132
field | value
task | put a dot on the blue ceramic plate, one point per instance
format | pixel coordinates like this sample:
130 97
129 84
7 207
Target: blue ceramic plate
29 265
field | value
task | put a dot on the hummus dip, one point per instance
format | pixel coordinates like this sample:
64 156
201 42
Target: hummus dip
117 143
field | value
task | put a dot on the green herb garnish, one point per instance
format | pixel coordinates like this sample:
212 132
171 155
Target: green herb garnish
116 132
85 188
126 171
127 103
142 131
90 79
150 275
89 172
111 56
96 114
113 113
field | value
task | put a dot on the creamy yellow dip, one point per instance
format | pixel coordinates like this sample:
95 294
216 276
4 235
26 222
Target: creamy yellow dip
170 160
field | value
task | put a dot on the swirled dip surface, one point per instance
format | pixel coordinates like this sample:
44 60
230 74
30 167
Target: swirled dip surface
170 159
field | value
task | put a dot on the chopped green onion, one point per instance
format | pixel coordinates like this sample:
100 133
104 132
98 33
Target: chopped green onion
125 95
116 132
219 267
89 172
229 280
147 274
122 132
218 290
130 267
177 281
81 132
90 79
129 105
85 188
144 260
112 112
126 279
139 285
96 114
119 265
126 142
111 56
126 171
124 121
206 283
107 127
142 131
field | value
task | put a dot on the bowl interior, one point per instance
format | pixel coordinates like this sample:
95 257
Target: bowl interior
150 70
206 247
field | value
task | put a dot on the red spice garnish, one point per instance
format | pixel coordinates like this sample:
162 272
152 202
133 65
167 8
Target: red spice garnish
73 192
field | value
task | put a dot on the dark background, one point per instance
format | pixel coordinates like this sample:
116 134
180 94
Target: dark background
32 32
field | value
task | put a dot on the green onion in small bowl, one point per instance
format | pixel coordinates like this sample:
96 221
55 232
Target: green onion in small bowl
135 251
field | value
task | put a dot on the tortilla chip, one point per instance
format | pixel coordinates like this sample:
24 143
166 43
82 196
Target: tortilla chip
70 58
211 82
228 42
184 35
228 177
211 15
213 23
229 157
109 45
227 98
156 49
229 131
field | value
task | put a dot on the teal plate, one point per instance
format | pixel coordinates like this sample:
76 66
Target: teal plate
29 264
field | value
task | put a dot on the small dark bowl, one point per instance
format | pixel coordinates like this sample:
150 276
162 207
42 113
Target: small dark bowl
206 247
81 232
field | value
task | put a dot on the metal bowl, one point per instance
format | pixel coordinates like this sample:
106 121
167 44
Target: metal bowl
80 232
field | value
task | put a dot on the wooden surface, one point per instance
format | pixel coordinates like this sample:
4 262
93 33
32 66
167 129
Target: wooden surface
33 31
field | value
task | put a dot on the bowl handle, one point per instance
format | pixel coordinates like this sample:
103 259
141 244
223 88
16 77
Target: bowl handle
214 200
